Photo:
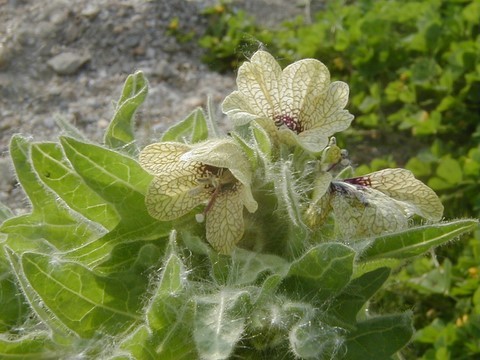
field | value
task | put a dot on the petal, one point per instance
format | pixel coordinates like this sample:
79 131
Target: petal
161 158
337 96
331 156
326 110
400 184
165 207
224 223
314 140
222 153
271 129
247 198
173 184
321 185
367 212
319 206
237 106
259 81
302 81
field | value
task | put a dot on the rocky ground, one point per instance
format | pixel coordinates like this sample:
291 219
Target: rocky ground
60 58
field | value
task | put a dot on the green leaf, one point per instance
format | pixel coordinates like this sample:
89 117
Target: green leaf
38 194
250 266
13 310
415 241
142 344
50 219
430 334
262 141
372 265
289 201
5 212
471 12
439 184
418 167
68 128
247 149
219 322
135 257
84 302
192 129
379 337
170 313
450 170
447 103
172 284
34 301
138 345
424 70
95 253
122 182
356 294
120 132
436 281
313 339
117 178
211 120
268 289
56 171
288 197
36 345
321 272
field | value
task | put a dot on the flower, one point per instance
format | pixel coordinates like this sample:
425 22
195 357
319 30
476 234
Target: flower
215 173
298 105
379 202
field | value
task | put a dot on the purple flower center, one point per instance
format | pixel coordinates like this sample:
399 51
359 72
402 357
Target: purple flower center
289 121
362 181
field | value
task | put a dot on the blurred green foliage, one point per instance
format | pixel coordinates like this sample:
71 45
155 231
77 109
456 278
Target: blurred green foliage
229 34
414 73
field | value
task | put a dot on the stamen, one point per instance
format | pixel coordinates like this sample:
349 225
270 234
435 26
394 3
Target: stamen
289 121
214 180
362 181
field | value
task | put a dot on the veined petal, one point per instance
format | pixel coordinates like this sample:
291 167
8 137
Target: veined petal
319 207
222 153
165 207
269 126
171 184
238 107
164 158
400 184
321 185
314 140
302 82
247 198
224 221
259 80
327 111
337 96
367 212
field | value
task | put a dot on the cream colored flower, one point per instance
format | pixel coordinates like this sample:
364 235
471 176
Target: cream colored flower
375 203
298 105
215 173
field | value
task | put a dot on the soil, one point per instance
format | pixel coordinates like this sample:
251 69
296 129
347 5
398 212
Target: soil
60 58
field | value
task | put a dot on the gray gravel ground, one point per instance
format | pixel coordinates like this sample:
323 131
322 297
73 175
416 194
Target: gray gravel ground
70 59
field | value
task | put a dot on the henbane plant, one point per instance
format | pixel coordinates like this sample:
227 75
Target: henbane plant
256 243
